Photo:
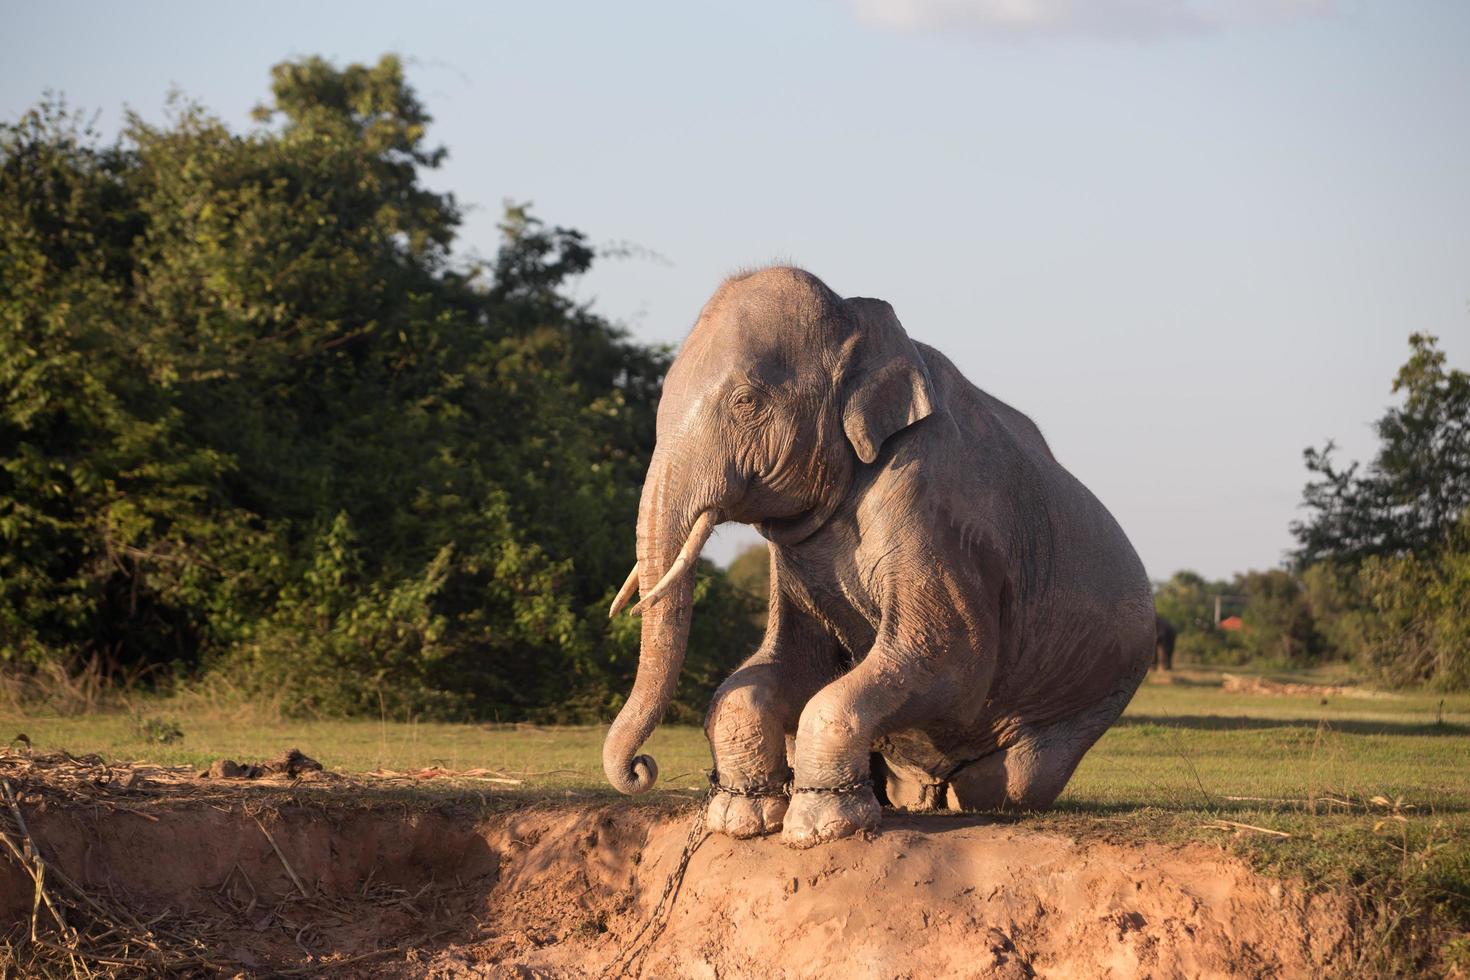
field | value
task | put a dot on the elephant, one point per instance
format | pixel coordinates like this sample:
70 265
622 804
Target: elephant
942 591
1165 635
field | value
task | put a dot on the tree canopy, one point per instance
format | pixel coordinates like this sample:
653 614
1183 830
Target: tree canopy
257 418
1413 493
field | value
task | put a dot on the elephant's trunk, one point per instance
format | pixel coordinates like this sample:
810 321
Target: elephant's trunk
667 535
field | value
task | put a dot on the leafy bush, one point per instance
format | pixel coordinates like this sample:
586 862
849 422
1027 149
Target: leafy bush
164 731
1405 619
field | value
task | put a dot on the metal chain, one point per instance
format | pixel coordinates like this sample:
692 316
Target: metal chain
634 949
785 788
857 787
782 788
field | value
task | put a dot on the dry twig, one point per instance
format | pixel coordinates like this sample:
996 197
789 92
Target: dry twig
284 863
1236 826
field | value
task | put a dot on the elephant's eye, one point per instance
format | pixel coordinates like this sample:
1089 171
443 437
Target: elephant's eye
745 401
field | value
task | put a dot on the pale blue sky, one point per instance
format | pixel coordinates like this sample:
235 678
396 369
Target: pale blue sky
1188 237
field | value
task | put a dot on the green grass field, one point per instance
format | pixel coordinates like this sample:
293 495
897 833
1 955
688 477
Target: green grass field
1185 744
1336 786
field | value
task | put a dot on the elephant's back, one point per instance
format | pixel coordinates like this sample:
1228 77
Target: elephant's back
1056 518
1083 605
979 414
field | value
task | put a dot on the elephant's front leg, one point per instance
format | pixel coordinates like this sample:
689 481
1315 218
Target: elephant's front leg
750 717
833 795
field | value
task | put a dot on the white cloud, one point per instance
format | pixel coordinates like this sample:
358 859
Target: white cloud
1078 18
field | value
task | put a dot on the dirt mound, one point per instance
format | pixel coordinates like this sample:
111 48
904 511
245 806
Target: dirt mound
350 885
929 897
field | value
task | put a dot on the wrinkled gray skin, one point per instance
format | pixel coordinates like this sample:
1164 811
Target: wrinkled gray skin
942 589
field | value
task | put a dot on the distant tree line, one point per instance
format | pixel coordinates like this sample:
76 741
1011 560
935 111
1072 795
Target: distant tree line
259 421
1381 575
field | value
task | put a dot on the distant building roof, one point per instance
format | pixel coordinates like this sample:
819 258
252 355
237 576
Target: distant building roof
1231 623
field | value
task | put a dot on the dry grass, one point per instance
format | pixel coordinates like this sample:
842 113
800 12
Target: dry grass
73 932
77 932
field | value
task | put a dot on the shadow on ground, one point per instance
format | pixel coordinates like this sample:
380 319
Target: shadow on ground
1351 726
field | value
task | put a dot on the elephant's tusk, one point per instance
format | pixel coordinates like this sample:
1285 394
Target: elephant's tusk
625 593
698 535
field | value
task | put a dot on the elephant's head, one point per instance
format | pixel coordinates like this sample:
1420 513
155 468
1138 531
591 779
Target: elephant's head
779 393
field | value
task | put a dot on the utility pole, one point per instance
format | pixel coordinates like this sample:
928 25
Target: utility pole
1219 597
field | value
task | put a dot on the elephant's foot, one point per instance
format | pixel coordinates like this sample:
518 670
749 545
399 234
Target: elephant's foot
745 816
817 817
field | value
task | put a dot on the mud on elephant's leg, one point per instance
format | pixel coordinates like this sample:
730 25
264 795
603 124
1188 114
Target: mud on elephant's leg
833 795
747 735
753 714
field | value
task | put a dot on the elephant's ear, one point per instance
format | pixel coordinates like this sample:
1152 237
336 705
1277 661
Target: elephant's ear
885 386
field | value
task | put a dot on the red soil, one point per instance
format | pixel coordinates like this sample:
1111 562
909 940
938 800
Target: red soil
556 890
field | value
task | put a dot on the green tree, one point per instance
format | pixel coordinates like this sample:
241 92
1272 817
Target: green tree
256 418
1277 623
1386 550
106 510
750 572
1412 494
1187 601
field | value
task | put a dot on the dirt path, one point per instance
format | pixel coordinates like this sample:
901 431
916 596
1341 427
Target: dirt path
363 887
